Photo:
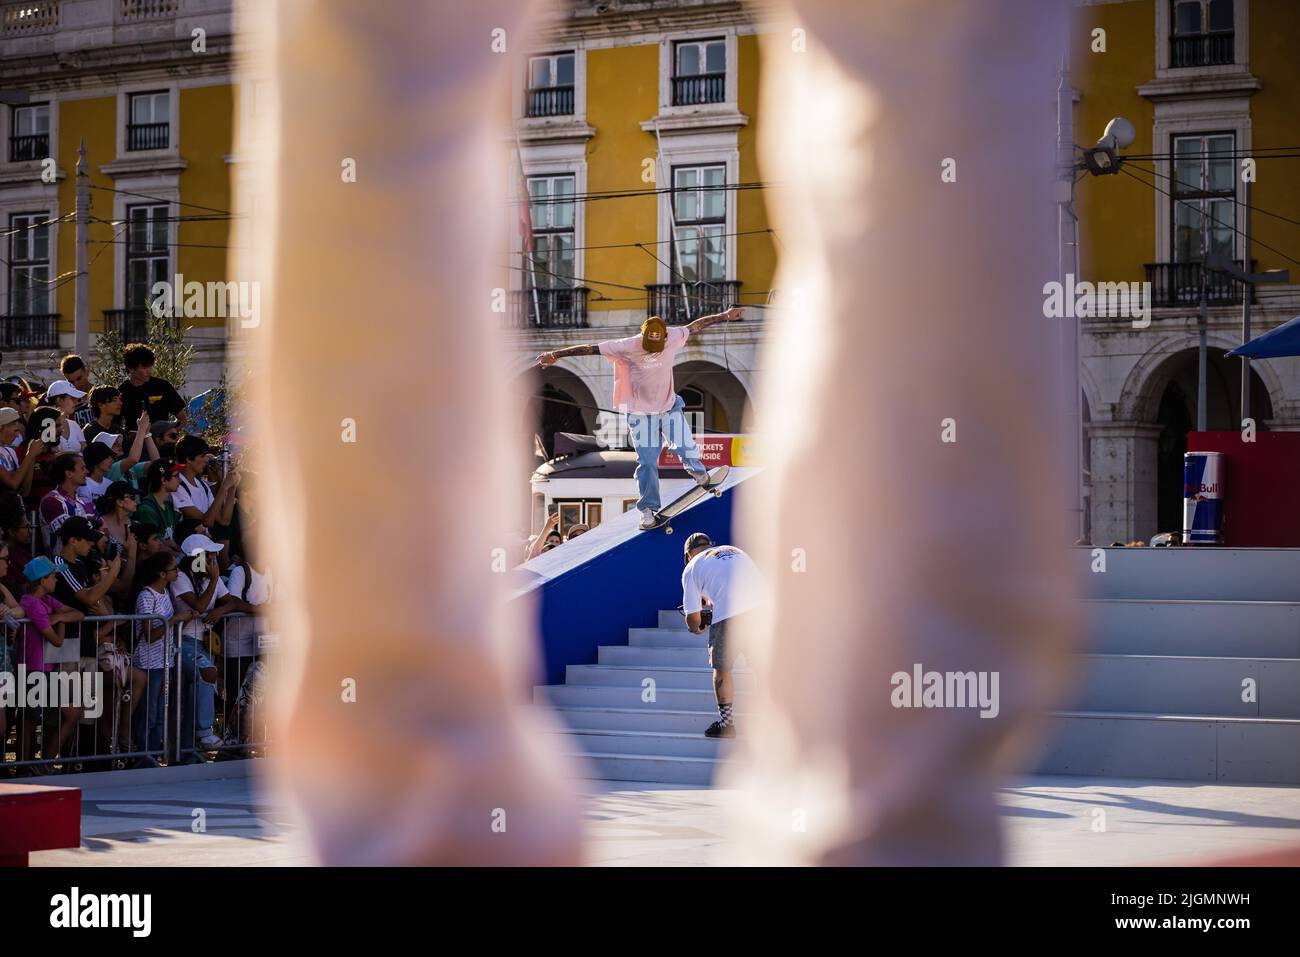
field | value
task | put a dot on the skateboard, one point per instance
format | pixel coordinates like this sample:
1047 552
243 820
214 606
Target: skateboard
688 498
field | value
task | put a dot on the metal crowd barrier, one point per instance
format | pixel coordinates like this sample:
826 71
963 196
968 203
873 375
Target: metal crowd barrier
122 715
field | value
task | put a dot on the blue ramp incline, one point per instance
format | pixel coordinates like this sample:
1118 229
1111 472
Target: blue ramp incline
615 577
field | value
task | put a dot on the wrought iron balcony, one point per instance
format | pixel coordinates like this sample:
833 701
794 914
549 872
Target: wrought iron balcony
147 136
131 325
39 331
560 308
35 146
1201 49
550 101
678 303
703 88
1179 284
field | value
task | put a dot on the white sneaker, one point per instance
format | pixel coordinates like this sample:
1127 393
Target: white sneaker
701 478
647 518
209 742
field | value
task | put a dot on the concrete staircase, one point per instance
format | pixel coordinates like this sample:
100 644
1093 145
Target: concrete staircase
640 712
1162 689
1171 638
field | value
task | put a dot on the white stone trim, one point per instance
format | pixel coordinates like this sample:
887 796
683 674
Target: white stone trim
519 86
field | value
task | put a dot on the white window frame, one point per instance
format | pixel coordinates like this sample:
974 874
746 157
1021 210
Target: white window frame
174 119
548 159
726 223
1187 118
1173 187
164 188
5 305
667 66
519 93
546 281
697 149
1240 43
7 118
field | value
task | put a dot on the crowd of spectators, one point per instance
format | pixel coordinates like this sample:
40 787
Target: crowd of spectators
110 507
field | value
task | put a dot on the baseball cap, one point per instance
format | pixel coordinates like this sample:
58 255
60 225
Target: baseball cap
653 323
192 445
64 387
39 567
78 527
162 427
8 415
199 543
115 491
108 438
694 541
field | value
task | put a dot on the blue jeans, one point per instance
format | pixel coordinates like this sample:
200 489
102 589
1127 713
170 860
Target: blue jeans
648 433
148 717
198 697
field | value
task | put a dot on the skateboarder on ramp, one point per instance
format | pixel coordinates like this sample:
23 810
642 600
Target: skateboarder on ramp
643 387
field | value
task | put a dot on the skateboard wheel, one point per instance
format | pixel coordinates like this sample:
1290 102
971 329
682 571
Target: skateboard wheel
668 529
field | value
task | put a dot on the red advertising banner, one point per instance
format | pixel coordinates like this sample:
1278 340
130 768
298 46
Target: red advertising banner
715 450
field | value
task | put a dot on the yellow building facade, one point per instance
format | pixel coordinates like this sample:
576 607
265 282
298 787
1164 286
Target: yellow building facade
638 137
1212 88
149 89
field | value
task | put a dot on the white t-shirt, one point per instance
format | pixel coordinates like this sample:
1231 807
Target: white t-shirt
93 489
724 575
241 632
198 495
195 627
75 440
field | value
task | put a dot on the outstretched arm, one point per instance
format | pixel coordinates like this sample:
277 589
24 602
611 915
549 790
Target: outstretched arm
549 358
702 323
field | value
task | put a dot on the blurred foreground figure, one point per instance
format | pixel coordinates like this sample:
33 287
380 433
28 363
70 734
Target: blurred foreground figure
913 514
378 370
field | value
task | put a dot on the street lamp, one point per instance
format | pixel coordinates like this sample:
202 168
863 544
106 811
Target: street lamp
1104 159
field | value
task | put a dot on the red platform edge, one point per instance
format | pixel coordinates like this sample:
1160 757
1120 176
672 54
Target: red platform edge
37 818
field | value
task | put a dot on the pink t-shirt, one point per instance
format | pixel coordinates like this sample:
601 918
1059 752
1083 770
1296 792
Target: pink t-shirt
38 611
643 381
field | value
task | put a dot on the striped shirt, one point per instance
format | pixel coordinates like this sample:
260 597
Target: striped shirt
149 654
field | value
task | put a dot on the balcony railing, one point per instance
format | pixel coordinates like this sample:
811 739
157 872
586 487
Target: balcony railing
147 136
562 308
131 10
30 332
33 147
550 101
677 307
1200 49
704 88
131 325
33 16
1179 284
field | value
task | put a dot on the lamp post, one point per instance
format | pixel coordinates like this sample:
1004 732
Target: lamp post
1221 263
1103 159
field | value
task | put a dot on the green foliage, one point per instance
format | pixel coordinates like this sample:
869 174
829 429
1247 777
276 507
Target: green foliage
163 335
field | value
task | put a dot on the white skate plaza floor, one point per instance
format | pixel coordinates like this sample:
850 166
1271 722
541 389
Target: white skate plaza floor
146 818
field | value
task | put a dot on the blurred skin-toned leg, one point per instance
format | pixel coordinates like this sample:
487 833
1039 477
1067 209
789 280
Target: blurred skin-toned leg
380 314
912 301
